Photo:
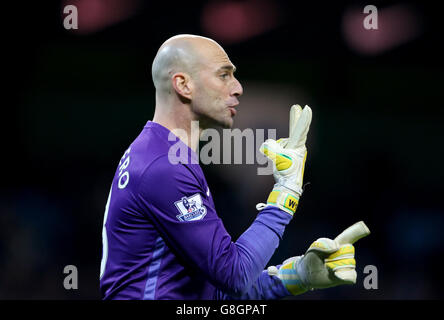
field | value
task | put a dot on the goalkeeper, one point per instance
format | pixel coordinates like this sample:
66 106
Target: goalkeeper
162 237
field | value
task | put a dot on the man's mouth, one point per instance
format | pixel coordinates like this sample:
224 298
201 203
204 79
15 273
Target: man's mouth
232 107
232 110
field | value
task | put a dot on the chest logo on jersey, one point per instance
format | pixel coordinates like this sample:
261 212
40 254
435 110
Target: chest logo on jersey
190 208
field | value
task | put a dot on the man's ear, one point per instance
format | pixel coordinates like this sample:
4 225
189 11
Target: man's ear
182 85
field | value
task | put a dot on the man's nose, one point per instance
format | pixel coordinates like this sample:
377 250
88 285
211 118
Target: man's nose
237 90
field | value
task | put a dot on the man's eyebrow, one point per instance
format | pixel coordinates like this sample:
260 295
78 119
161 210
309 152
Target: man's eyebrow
228 67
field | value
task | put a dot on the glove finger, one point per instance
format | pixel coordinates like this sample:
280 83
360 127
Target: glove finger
349 263
343 264
304 127
323 246
295 113
282 142
353 233
345 251
298 135
347 276
269 144
272 150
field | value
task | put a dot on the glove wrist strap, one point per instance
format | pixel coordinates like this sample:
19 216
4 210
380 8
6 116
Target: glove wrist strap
283 199
288 273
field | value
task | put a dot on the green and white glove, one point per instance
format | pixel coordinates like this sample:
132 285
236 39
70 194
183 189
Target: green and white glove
288 156
326 263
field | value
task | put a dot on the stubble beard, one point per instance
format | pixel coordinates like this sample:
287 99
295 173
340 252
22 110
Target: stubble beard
218 120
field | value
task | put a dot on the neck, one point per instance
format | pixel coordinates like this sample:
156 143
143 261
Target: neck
181 122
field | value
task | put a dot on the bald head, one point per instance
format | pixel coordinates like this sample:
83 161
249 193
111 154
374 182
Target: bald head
181 53
194 80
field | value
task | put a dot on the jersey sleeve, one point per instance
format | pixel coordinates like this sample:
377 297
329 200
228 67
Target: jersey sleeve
184 215
266 287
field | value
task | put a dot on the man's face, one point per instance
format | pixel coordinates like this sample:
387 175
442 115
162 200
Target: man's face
215 89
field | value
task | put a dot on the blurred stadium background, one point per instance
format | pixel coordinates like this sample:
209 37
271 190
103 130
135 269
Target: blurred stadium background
75 99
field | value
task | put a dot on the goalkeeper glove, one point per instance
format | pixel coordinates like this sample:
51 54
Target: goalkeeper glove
327 263
288 156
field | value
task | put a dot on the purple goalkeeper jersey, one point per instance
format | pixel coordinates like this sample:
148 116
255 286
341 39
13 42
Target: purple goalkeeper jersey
162 237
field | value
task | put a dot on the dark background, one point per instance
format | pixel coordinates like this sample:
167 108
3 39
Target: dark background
74 100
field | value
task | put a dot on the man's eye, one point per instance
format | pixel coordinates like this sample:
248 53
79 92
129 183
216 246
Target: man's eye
224 75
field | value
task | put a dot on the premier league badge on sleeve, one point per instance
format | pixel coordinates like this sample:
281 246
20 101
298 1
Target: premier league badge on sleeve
190 208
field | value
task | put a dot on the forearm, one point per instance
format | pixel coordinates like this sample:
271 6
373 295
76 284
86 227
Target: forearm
266 287
254 249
